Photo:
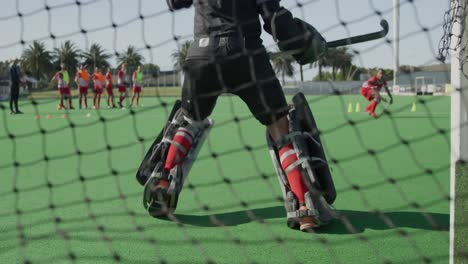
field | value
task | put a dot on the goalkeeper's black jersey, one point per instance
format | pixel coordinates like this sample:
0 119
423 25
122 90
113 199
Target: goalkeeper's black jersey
227 17
225 27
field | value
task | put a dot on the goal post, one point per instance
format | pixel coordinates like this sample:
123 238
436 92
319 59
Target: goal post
459 76
459 105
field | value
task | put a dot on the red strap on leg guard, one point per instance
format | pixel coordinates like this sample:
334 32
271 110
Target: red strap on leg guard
182 142
287 157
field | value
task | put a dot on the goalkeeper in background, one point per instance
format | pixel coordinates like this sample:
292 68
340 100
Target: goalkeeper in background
371 91
228 56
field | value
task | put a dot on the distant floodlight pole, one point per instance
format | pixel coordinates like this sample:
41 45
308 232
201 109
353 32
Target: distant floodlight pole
396 39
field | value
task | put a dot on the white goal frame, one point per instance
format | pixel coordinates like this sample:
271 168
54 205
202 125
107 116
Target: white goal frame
459 104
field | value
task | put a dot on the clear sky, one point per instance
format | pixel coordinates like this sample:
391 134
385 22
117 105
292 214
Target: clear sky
65 20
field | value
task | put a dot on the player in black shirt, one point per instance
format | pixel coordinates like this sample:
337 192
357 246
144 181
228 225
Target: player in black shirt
15 79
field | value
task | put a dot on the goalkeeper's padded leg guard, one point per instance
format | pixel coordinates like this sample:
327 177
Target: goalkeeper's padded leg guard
161 201
153 155
313 164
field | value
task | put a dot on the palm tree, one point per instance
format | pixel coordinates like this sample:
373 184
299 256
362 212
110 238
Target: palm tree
151 69
179 55
346 59
332 60
338 59
302 72
131 57
37 60
283 65
96 56
67 54
321 62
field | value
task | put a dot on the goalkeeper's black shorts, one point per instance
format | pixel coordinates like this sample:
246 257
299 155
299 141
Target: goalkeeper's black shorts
251 77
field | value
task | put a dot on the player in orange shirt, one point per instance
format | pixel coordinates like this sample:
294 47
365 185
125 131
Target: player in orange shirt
82 79
98 79
109 88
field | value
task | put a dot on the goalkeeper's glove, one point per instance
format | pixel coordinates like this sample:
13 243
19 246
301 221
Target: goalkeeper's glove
178 4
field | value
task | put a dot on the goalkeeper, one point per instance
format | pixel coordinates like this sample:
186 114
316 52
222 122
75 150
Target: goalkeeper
227 56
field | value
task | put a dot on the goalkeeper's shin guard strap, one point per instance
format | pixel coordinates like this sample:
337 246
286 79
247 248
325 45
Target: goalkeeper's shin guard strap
288 159
169 159
311 162
180 146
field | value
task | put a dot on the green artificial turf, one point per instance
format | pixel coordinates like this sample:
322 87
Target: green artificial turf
68 190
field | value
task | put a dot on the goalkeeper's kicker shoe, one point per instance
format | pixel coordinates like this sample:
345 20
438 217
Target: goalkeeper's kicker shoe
306 223
156 198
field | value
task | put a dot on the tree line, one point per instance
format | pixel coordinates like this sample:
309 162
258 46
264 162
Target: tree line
40 63
339 61
335 65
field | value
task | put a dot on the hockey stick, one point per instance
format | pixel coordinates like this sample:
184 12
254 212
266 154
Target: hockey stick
361 38
343 42
385 103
